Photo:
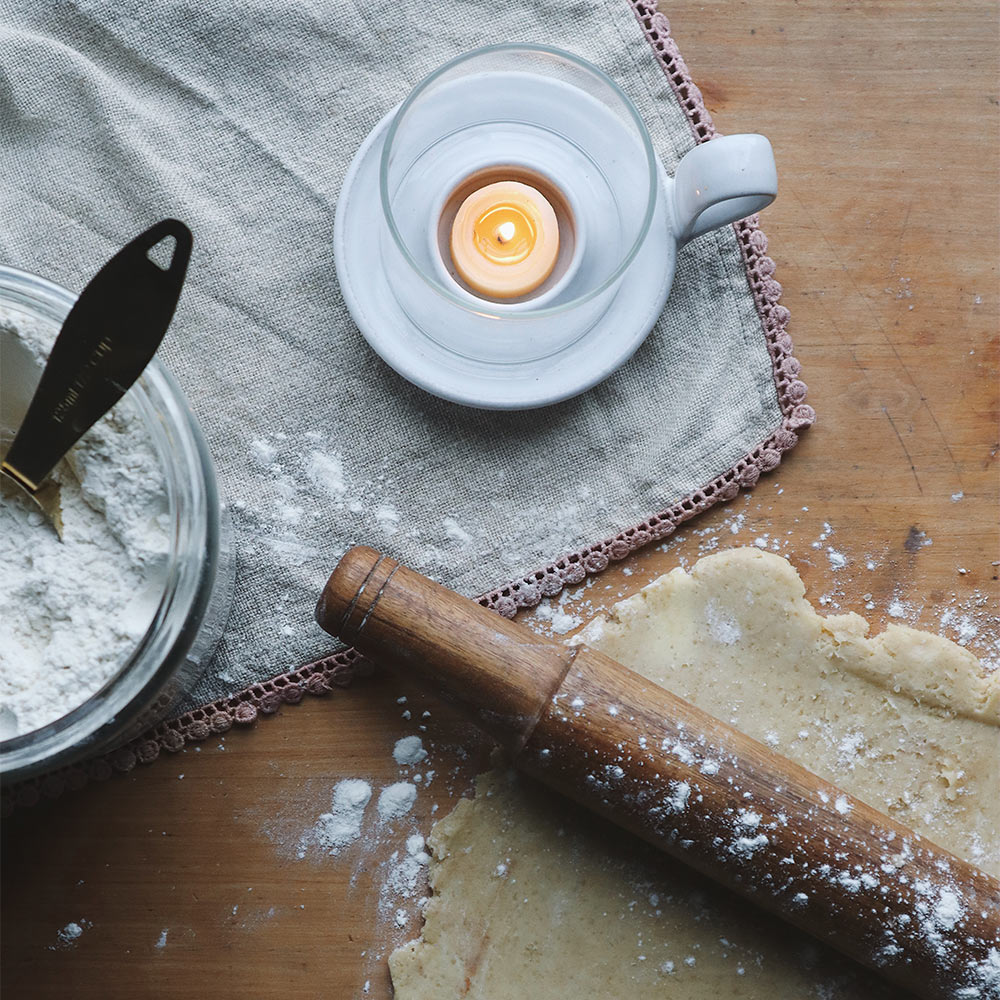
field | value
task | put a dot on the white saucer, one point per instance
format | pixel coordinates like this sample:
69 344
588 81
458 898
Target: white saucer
403 346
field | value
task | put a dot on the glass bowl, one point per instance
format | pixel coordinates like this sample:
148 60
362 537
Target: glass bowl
198 572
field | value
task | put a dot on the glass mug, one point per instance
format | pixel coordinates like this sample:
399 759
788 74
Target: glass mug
547 117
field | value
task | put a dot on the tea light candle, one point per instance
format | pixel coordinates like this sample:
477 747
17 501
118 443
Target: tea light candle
505 240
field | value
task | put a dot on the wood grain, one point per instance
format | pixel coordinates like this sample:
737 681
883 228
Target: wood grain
883 118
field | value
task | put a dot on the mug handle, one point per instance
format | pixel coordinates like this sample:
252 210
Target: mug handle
720 182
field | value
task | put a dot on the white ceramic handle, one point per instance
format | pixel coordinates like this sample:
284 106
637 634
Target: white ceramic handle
722 181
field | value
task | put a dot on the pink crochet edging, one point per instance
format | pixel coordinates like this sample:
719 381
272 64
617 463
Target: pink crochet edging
339 669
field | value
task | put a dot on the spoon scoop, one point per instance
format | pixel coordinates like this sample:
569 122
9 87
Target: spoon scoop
108 338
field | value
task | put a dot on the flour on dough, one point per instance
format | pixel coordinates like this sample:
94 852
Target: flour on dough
533 898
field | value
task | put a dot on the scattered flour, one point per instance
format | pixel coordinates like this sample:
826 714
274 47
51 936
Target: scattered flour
388 517
848 749
967 629
948 910
722 628
327 472
456 532
409 750
67 937
559 621
983 979
396 800
680 792
748 846
403 877
73 611
837 559
263 454
342 824
897 609
70 932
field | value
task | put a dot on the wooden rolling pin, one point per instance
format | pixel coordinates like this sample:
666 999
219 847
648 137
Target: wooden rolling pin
691 785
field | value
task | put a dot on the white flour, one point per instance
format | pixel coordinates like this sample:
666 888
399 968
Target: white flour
342 824
70 932
396 800
409 750
72 612
559 621
67 937
374 829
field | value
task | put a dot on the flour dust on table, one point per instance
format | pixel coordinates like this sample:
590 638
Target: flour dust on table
371 830
409 750
589 911
68 936
342 824
73 610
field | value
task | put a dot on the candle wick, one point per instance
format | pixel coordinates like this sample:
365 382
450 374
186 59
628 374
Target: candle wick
505 232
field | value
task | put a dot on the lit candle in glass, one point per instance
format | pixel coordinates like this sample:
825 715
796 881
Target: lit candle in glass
505 240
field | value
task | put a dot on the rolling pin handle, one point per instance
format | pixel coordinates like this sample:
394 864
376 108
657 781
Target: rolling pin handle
353 591
499 673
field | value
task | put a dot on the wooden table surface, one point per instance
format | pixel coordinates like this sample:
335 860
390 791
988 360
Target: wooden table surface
884 121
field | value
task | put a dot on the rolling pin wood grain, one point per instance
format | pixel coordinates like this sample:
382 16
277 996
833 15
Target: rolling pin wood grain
686 782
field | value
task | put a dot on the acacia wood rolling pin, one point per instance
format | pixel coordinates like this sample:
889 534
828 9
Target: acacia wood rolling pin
691 785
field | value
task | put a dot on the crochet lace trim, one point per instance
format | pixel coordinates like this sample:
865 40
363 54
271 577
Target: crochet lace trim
338 670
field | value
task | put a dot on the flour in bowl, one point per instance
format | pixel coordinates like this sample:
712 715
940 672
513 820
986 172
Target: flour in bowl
73 611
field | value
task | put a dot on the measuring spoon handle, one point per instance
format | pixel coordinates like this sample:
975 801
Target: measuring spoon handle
108 338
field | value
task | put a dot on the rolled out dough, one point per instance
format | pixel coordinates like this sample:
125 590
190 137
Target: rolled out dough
535 899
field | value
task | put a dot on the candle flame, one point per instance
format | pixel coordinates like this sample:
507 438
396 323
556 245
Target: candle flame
506 231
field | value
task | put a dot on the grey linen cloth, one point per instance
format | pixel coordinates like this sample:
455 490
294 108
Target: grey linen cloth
241 119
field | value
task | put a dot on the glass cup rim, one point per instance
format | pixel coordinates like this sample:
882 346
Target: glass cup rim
181 592
500 310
